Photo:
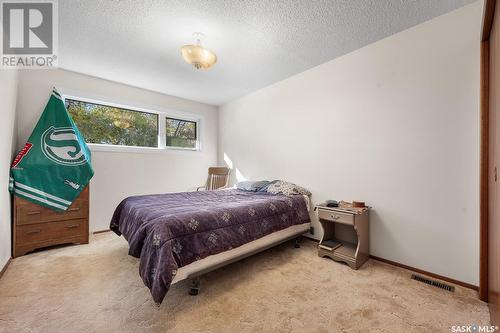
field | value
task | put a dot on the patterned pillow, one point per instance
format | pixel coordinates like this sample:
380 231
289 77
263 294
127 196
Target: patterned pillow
287 188
266 186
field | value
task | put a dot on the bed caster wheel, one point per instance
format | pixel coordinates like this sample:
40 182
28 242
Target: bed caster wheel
195 287
297 244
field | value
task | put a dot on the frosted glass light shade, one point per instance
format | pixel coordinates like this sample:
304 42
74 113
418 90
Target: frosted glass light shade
198 56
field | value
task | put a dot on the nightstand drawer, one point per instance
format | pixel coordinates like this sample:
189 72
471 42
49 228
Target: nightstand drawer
334 216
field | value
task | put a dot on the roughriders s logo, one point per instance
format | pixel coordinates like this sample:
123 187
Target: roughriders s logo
61 146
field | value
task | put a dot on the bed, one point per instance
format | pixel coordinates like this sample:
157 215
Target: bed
179 236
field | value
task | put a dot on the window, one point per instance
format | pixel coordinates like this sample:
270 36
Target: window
115 127
180 133
104 124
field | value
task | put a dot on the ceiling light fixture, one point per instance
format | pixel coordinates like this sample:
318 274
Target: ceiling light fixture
197 55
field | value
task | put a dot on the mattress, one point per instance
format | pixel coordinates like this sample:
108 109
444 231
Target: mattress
171 231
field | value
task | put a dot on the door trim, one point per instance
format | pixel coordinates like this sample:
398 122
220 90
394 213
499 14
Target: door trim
483 201
487 23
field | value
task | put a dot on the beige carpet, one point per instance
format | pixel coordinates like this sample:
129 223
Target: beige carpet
96 288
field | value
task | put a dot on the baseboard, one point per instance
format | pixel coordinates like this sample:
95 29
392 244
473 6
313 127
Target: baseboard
416 270
421 271
100 231
5 267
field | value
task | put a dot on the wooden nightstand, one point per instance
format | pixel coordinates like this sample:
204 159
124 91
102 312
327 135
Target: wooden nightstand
345 235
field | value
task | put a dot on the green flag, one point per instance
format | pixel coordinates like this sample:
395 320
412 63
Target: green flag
54 165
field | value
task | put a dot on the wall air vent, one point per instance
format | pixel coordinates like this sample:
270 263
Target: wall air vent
433 283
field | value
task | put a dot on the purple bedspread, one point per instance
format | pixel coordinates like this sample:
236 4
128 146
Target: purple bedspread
169 231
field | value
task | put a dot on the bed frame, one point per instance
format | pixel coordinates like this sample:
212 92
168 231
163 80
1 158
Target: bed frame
194 270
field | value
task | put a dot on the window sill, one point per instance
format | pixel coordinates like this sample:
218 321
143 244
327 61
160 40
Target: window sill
94 147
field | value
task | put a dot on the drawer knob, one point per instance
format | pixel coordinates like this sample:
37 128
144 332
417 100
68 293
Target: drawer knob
34 231
35 212
335 217
72 226
73 209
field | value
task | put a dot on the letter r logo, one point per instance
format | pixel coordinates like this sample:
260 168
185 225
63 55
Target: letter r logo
27 27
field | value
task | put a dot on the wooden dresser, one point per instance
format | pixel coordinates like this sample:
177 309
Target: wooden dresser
36 226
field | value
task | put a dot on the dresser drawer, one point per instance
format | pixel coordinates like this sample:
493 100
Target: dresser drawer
42 232
334 216
29 213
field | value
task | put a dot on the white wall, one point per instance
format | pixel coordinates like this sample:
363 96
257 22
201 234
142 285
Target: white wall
117 174
8 90
395 124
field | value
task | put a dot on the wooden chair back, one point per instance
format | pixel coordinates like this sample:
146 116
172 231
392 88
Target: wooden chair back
217 177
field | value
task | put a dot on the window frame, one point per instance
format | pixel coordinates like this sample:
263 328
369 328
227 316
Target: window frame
185 120
162 114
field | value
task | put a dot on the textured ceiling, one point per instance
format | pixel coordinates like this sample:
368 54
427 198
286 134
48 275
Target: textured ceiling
258 42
